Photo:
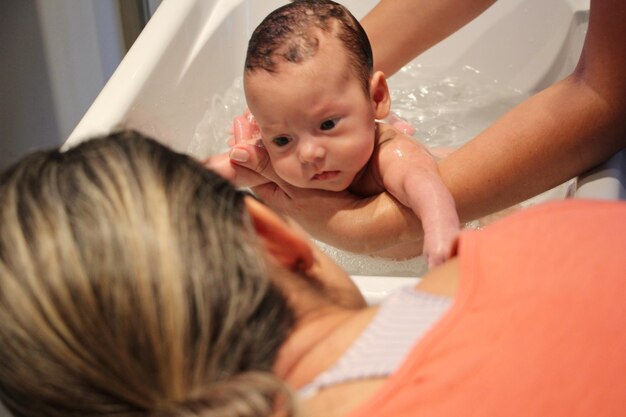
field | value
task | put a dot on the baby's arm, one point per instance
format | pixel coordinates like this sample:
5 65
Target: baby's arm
409 172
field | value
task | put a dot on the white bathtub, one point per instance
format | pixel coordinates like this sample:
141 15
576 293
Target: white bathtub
193 49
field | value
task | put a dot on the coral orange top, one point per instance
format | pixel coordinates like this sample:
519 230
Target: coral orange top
538 327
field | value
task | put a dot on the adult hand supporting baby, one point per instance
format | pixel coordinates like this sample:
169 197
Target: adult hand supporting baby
245 132
393 229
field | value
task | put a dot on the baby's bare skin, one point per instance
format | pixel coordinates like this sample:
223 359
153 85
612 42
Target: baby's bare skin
399 165
408 171
317 123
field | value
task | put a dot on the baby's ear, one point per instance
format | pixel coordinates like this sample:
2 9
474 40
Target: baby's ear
379 92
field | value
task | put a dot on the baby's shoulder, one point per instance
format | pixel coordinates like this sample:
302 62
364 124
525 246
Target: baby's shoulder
386 133
389 139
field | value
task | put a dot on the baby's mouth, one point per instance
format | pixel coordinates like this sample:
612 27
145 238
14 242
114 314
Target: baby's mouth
325 175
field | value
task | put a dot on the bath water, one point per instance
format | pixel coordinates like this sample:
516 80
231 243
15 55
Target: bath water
446 110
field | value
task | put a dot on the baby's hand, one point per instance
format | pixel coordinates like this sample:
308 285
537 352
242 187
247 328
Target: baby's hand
400 124
439 243
245 130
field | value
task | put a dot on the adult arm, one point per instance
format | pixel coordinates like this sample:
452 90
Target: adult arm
555 135
400 30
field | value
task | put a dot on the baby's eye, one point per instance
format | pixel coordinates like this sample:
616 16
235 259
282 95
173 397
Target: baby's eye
328 124
281 140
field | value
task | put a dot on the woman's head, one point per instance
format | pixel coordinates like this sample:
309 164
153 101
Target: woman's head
132 284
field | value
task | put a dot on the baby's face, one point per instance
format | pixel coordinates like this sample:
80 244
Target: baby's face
316 121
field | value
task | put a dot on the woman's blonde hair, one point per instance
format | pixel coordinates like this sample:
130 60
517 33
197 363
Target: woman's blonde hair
131 284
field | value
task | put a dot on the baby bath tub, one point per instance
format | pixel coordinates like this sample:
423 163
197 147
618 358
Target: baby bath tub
193 49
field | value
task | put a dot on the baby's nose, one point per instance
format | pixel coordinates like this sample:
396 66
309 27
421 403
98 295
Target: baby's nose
311 152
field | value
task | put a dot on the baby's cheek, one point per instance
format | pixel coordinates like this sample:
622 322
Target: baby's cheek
362 154
287 170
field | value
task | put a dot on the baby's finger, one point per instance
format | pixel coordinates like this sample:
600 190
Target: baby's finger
241 129
400 124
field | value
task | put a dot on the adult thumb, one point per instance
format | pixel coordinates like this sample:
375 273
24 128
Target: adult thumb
254 158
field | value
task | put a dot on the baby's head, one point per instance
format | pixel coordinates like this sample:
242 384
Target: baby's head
310 84
291 34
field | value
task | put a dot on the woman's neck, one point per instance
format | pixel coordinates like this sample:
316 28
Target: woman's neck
316 343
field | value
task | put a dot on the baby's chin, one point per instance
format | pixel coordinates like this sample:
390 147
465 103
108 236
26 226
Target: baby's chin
335 183
335 186
329 187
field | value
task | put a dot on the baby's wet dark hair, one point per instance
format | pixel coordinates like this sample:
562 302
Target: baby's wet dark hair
288 34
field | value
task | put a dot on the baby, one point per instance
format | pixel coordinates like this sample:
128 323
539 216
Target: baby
309 83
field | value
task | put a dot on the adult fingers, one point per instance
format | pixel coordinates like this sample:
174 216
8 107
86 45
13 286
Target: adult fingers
254 158
238 175
221 165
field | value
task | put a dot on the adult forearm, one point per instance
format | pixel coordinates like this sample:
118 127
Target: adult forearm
561 132
557 134
550 138
400 30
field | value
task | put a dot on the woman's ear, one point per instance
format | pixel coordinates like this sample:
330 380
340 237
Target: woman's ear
283 241
379 92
